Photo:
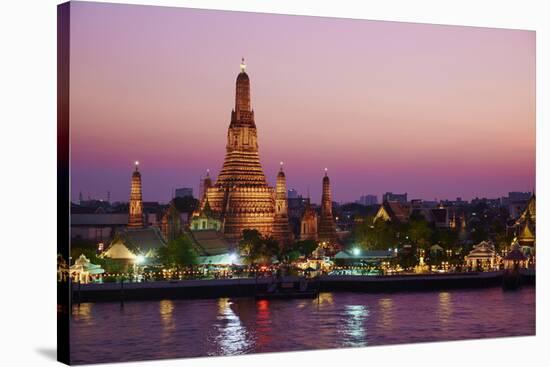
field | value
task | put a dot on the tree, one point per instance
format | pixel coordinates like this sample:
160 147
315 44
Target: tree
305 247
420 232
178 253
293 255
447 238
376 235
258 249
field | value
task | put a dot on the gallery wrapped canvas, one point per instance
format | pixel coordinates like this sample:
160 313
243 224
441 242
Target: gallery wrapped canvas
234 183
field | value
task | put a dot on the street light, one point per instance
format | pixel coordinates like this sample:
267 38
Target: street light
140 259
356 251
232 257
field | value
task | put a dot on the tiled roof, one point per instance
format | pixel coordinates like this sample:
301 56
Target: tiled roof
210 242
142 240
396 210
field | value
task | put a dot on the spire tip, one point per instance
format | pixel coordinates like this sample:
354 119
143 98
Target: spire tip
243 65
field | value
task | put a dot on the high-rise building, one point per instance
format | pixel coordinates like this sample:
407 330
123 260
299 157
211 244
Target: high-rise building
390 196
135 216
519 196
241 197
183 192
327 225
293 194
368 200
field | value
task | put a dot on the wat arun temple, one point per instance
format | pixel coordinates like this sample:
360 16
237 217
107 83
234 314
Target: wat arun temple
241 197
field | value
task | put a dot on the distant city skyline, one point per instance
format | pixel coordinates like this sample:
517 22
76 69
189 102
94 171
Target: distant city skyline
434 111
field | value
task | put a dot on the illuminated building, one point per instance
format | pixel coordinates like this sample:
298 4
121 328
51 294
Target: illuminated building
393 211
135 216
171 223
241 197
526 227
483 256
138 243
327 225
281 227
308 225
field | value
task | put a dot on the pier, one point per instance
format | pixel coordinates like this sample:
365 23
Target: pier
249 287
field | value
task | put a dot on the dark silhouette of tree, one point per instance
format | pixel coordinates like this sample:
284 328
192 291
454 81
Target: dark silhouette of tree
178 253
258 249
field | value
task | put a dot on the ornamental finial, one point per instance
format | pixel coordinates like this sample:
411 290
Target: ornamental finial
136 164
243 65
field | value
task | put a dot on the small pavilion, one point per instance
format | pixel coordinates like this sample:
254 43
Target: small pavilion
515 259
84 271
483 256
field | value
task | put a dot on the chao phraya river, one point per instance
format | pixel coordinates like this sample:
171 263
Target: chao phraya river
105 332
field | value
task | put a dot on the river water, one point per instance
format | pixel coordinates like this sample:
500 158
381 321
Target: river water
103 332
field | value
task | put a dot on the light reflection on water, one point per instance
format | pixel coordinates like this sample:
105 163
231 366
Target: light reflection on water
166 309
385 318
354 327
104 332
232 337
445 309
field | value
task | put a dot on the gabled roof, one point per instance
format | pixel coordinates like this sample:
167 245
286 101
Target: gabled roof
527 230
482 250
393 211
138 240
530 211
210 242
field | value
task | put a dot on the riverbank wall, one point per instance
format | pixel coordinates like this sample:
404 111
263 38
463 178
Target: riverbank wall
248 287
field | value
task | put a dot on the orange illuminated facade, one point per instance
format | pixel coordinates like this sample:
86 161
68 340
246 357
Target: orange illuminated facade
135 216
241 197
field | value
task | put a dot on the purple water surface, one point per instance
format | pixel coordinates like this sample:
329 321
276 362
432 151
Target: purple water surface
103 332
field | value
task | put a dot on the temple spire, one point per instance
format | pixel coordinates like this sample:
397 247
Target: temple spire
242 96
281 226
135 215
243 66
241 197
327 225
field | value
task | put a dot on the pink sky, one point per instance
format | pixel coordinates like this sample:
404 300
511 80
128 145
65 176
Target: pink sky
435 111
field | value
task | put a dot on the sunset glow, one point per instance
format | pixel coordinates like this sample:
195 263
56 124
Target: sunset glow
435 111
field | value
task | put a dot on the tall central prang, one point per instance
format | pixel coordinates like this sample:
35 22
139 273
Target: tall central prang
241 197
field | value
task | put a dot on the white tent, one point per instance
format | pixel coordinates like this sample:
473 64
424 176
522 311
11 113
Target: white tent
223 259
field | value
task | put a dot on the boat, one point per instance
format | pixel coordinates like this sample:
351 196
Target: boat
285 288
